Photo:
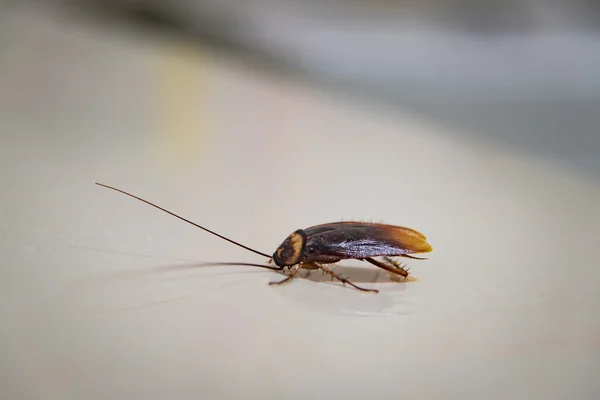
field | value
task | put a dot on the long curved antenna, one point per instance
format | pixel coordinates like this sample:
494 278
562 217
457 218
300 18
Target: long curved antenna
183 219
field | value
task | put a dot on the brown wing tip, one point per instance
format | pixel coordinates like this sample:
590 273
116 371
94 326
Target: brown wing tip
427 248
419 242
413 241
420 250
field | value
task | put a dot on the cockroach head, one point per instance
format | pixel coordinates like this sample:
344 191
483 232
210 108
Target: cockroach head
292 250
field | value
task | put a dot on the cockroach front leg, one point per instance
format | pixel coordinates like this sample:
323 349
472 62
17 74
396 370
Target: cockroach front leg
293 273
342 279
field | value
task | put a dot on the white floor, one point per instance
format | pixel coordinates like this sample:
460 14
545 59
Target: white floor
506 307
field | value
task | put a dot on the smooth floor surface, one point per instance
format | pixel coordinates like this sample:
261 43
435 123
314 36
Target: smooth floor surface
104 297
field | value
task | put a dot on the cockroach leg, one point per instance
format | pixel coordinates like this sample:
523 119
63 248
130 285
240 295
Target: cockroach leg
343 280
395 263
399 267
293 272
393 269
413 257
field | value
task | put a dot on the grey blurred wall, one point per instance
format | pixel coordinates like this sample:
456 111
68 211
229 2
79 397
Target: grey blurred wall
525 72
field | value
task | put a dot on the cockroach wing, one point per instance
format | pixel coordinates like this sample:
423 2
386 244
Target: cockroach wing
346 240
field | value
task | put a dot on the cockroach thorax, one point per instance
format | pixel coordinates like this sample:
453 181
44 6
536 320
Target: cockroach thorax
292 250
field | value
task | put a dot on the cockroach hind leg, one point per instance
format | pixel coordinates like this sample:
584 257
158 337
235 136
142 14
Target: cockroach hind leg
291 276
397 264
344 280
414 257
403 269
396 271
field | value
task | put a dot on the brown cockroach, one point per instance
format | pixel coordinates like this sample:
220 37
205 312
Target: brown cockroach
329 243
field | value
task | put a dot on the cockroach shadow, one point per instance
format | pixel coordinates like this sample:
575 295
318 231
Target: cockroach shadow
319 247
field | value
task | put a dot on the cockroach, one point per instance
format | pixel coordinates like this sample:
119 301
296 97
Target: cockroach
312 248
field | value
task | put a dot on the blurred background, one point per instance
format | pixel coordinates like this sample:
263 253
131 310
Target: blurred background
523 71
477 122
